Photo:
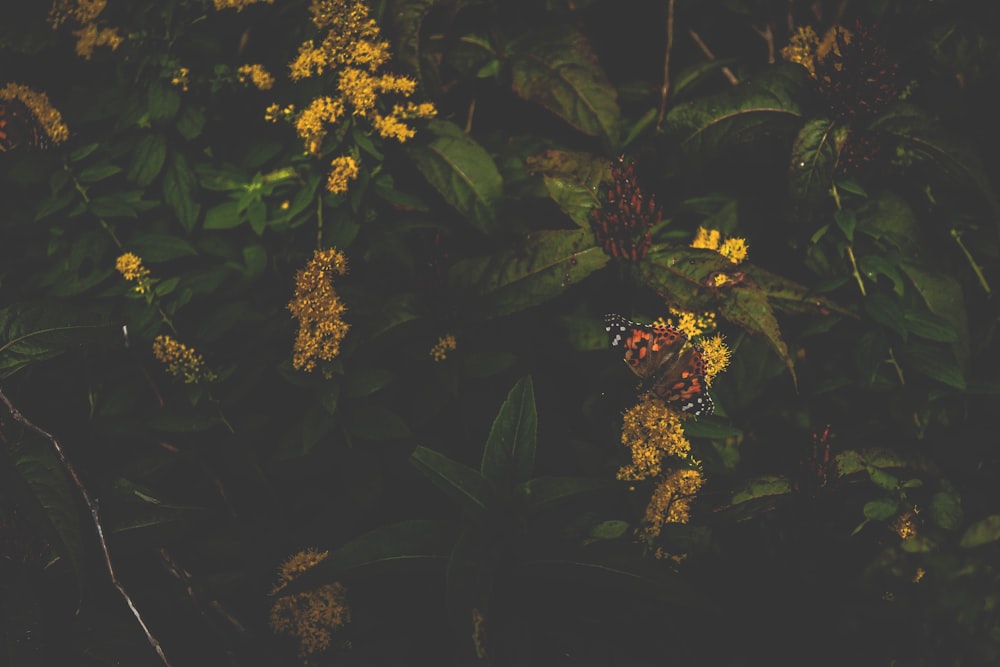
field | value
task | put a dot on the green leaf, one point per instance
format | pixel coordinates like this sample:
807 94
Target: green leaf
377 423
461 171
509 455
388 548
396 310
889 218
190 122
463 484
98 172
872 266
761 108
115 205
163 102
558 70
885 310
810 170
926 138
155 248
366 381
982 532
882 509
179 185
574 199
541 493
762 487
934 362
544 266
614 529
224 216
946 509
929 326
944 297
31 334
147 159
881 478
847 221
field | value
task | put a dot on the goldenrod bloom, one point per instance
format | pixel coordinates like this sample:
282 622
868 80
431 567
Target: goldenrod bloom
343 170
257 75
131 268
311 617
181 361
318 309
84 14
692 324
443 346
38 104
181 78
734 249
671 500
905 525
716 355
651 431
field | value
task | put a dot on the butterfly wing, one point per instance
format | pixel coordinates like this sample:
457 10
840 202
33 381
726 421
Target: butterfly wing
648 349
683 386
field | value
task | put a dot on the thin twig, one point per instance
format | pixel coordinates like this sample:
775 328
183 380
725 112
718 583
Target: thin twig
767 34
665 89
469 115
711 56
95 517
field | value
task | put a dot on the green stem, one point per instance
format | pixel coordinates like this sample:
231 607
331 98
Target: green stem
955 234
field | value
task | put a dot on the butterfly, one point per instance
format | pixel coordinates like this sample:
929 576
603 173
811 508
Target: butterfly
673 372
19 126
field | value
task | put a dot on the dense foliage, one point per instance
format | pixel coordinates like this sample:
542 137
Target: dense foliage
303 354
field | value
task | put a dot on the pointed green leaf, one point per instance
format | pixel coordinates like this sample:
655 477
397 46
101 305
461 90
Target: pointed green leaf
761 487
946 509
461 483
541 493
163 102
944 297
30 334
155 248
761 108
812 160
982 532
509 455
179 185
558 70
934 362
387 548
543 267
461 171
366 381
224 216
882 509
147 159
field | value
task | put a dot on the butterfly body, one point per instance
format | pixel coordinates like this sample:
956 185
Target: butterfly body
658 355
19 126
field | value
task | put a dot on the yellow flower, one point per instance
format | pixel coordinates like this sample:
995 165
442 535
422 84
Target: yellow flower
343 170
716 354
238 5
180 78
735 249
443 346
131 268
706 238
80 11
905 525
801 49
919 574
671 500
310 617
692 324
390 127
88 38
38 103
257 75
181 361
652 432
318 309
311 123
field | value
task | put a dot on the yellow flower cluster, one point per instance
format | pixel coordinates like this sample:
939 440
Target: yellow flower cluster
652 432
84 14
444 345
257 75
181 78
238 5
131 268
671 500
716 354
38 103
905 525
692 324
734 249
311 617
352 46
181 361
318 309
343 170
806 49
